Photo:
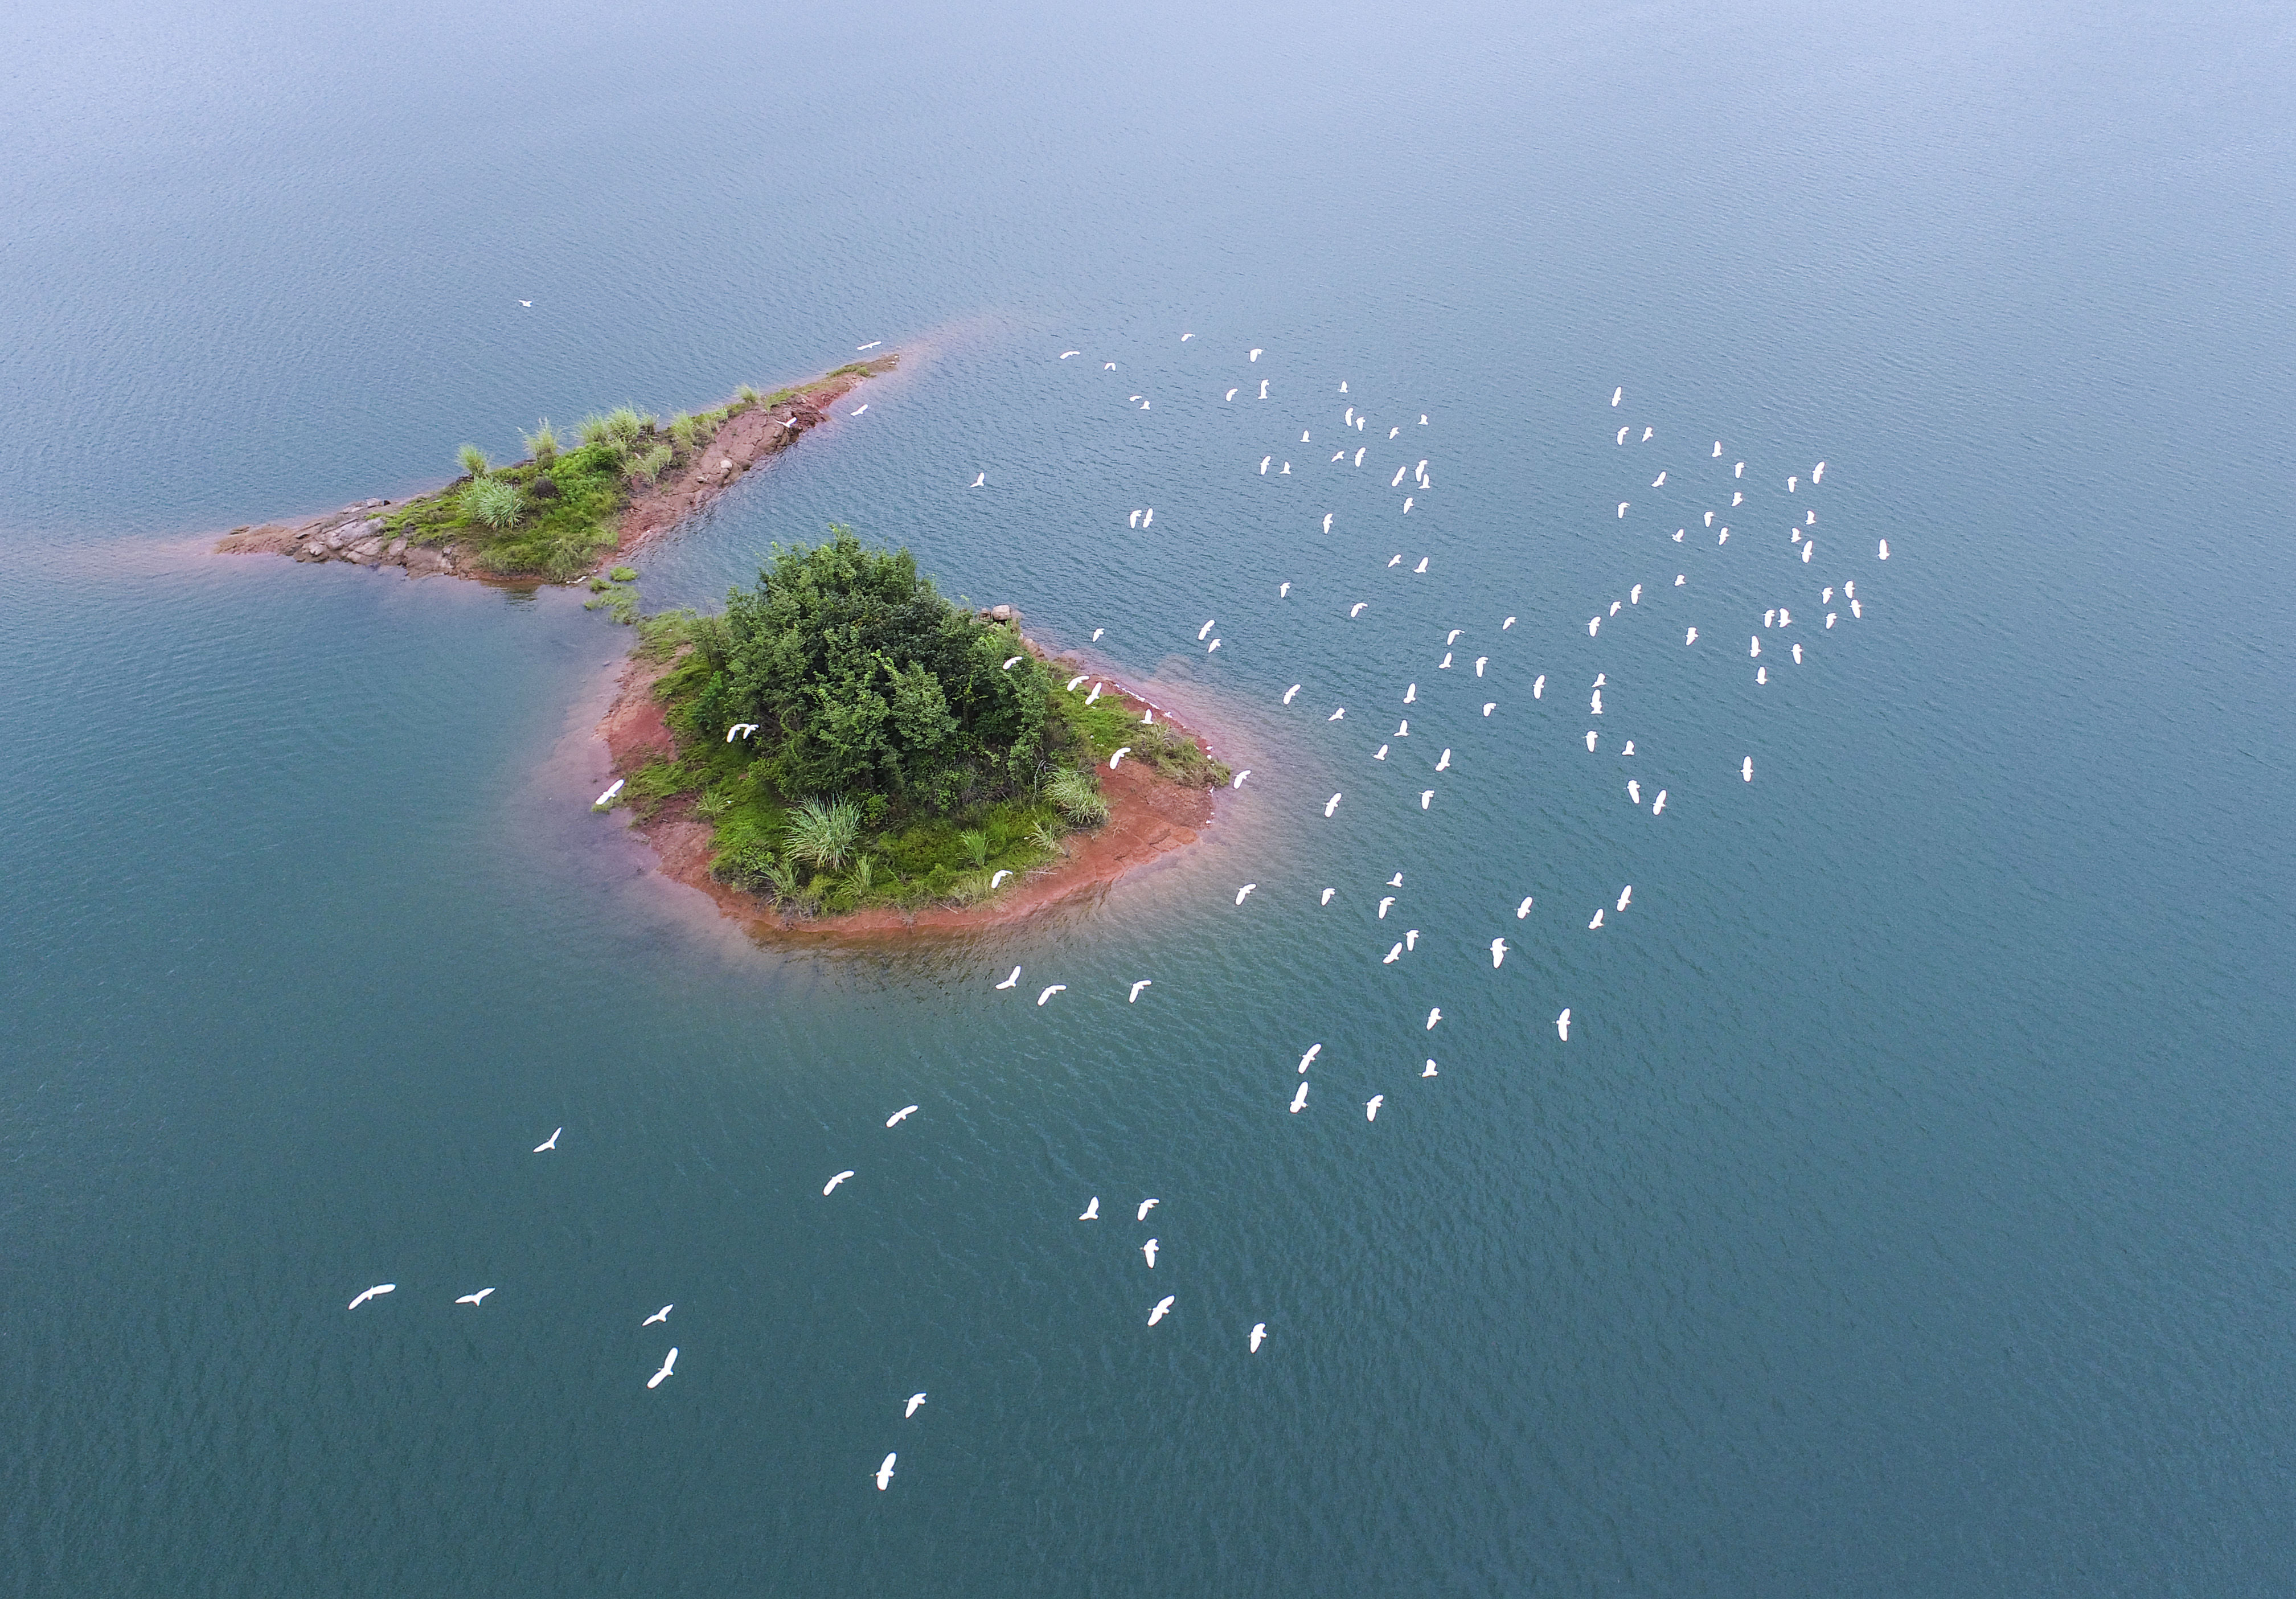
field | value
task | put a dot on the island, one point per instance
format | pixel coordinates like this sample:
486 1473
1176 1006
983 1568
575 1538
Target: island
565 512
843 750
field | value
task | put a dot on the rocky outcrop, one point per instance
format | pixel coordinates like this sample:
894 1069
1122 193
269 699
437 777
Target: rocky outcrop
355 534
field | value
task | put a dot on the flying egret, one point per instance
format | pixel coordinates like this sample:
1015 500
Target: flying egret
1596 705
1524 909
1067 353
549 1142
831 1188
1097 688
1327 521
1411 694
1051 990
1590 743
661 1314
1134 997
1263 460
1593 626
1392 955
1562 1025
1231 394
980 480
527 303
1384 904
1282 590
1259 1335
1263 388
1506 624
1372 1105
1885 549
1163 1308
885 1473
607 798
1489 706
739 730
1615 393
1659 804
1360 454
1498 953
900 1116
1395 881
1146 1205
1148 717
856 410
1597 921
997 876
1010 661
1426 797
1092 1211
1625 897
1255 355
1429 1071
1434 1015
1634 791
1288 693
1634 594
379 1288
1216 645
1717 450
1422 567
669 1362
1817 472
1659 481
1149 1249
1797 654
1480 660
1330 805
1747 770
1791 482
1080 677
1240 893
1679 579
1117 758
1299 1100
1357 609
1738 470
1402 729
914 1400
1539 687
1326 900
1622 509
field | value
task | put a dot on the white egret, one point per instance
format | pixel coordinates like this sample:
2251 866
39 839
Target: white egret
1331 805
607 798
1426 797
1634 791
1146 1205
660 1315
1384 904
1357 609
1622 509
1072 682
1067 353
1308 1059
1659 804
1149 1249
1629 750
1489 706
997 876
1480 660
1524 909
1259 1335
1051 990
1240 893
1410 694
1163 1308
1506 624
831 1186
549 1142
900 1116
1134 997
1622 439
856 410
366 1294
1738 470
1422 567
1299 1100
1747 770
1429 1071
1010 663
1593 625
1092 1211
1562 1025
739 730
1597 921
1263 460
1326 900
1817 472
1539 687
1216 645
1434 1015
1498 953
1615 393
1411 940
1282 590
1444 764
1797 654
1594 706
980 481
914 1400
1288 693
885 1473
1231 394
1116 759
1097 688
669 1362
1372 1105
1255 355
1379 753
1885 549
1679 579
1659 481
1327 521
1717 450
1625 897
1392 955
1590 743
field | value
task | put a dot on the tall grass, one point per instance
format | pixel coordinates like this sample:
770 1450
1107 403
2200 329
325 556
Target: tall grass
1079 797
822 833
473 459
542 444
491 501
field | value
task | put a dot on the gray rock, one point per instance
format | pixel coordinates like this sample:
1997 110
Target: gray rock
421 561
399 547
371 505
367 549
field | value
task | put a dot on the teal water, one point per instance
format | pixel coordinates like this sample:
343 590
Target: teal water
1907 1211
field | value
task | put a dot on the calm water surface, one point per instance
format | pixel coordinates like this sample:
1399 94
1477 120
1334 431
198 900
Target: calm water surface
1908 1212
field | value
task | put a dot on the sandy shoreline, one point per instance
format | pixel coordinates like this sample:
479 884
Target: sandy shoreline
1150 819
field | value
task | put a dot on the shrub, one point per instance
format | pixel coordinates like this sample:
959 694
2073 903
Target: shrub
822 833
542 444
491 501
473 459
624 574
976 847
1079 797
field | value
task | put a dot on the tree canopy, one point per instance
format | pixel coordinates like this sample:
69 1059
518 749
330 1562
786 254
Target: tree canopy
863 677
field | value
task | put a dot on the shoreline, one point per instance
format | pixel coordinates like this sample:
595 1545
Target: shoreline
1152 821
353 534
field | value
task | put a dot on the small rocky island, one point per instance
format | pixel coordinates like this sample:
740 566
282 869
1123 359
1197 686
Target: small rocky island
566 511
842 748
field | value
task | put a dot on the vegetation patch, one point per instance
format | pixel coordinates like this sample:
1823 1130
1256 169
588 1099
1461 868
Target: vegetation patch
854 739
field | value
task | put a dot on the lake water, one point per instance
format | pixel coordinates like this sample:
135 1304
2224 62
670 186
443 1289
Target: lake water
1908 1212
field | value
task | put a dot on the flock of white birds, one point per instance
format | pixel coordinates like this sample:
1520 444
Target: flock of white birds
1359 438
